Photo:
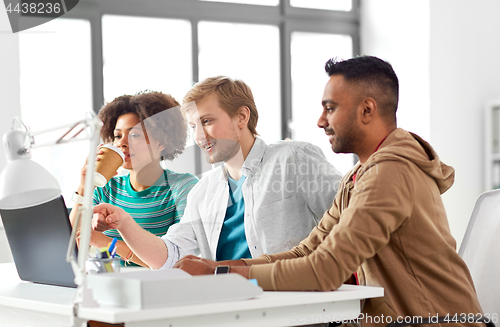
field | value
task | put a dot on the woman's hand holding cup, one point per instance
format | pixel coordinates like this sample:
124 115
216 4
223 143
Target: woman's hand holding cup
109 158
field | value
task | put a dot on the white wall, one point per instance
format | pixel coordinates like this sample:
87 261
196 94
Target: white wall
446 54
465 74
398 32
9 94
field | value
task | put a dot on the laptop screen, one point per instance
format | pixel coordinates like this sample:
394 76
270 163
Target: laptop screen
38 237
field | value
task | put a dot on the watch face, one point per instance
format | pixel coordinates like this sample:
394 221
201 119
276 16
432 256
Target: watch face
221 270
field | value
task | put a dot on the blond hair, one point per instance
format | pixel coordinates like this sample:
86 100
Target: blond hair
231 94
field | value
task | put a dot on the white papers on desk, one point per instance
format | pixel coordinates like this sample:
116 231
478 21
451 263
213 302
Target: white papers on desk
171 287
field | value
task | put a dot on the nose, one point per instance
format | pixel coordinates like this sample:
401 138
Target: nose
122 142
322 121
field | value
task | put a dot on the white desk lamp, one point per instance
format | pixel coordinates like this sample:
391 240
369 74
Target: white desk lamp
25 183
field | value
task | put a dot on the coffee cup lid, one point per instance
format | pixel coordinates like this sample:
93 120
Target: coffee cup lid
99 179
114 148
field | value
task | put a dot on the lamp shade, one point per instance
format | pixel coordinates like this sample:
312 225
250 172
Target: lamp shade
23 182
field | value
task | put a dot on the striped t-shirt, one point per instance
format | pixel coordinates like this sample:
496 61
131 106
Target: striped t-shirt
156 208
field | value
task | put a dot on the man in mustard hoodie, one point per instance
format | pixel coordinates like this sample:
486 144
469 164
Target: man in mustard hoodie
387 224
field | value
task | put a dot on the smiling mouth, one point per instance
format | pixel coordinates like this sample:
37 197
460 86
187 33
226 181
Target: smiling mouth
330 135
208 146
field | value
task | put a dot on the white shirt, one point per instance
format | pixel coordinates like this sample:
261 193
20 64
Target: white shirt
288 187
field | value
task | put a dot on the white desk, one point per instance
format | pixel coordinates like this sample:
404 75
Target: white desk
29 304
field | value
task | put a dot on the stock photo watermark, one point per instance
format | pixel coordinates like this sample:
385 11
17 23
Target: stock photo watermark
383 319
25 14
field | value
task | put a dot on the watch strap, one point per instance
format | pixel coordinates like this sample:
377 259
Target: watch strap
77 198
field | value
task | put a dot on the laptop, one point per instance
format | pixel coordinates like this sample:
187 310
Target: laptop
38 237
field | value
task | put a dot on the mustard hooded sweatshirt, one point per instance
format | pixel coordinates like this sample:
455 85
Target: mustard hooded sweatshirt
390 227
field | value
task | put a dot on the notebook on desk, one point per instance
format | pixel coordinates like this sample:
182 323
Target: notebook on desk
38 237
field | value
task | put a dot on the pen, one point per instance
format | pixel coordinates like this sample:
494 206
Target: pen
112 247
113 252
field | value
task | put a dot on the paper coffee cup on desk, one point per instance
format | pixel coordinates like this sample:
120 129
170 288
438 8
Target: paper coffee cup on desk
109 161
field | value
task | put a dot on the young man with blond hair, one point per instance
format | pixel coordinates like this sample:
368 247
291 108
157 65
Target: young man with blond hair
261 199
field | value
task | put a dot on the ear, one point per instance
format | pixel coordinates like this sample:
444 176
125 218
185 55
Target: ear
243 116
368 110
161 147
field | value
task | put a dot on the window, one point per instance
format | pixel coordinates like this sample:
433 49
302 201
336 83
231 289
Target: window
250 53
342 5
310 51
142 53
103 49
250 2
56 89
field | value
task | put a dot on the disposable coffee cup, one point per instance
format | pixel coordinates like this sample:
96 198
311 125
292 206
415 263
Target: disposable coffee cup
109 161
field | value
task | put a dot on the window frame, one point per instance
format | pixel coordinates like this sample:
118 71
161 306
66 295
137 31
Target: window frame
287 18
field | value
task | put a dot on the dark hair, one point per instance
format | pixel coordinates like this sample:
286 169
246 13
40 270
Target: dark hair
373 75
168 128
231 94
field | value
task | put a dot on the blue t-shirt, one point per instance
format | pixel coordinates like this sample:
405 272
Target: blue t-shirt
232 240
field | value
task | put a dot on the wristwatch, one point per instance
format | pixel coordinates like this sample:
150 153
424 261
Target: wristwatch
77 198
222 270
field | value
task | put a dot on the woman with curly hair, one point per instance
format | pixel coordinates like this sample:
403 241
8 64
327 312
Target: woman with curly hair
148 127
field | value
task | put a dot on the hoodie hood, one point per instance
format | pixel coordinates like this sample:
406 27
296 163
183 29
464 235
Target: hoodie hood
403 145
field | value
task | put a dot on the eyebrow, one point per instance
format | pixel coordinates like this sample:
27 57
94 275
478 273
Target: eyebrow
325 102
128 129
204 116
